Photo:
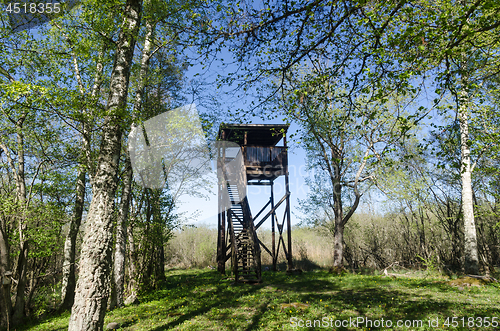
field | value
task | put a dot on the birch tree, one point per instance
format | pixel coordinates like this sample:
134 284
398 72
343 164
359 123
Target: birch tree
85 169
163 22
92 290
463 53
122 223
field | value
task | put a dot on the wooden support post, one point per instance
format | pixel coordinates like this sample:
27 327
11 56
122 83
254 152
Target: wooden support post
234 248
287 211
244 148
221 237
273 216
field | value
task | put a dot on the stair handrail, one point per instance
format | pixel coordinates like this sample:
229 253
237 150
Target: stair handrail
234 249
256 251
241 186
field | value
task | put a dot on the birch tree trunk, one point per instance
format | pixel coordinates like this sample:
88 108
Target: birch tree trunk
122 223
471 263
69 270
5 301
5 263
92 290
69 278
132 261
22 261
121 235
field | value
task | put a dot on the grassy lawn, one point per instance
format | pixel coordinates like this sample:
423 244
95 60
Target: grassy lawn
204 300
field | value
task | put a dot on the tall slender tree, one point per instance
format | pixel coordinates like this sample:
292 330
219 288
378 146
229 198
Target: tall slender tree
92 290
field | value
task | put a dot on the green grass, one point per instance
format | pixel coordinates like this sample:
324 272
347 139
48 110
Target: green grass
204 300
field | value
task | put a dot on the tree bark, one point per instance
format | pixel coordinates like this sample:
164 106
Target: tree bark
471 263
22 265
69 270
122 224
338 233
146 56
121 235
338 245
5 300
69 278
132 261
92 290
340 219
5 262
22 261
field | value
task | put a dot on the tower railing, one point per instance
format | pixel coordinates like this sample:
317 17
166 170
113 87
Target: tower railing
264 155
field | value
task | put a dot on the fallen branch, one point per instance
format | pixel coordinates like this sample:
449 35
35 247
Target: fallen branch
486 278
388 274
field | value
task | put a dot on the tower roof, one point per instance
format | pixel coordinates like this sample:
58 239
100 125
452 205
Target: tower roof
257 134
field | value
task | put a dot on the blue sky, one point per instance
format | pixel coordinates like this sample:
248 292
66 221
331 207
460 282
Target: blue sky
258 195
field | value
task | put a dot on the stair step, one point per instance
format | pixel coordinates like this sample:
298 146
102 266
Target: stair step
245 245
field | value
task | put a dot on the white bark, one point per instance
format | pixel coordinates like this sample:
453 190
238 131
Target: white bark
69 270
121 234
69 278
22 261
122 224
470 240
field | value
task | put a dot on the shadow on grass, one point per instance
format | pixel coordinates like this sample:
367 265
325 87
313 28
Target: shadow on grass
203 299
216 300
224 297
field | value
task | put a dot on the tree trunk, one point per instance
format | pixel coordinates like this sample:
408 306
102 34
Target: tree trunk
121 235
338 233
69 270
18 311
132 261
122 226
338 245
471 264
22 261
5 300
92 289
22 265
146 56
159 238
69 278
340 219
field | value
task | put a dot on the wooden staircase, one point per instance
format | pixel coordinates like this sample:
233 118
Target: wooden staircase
245 248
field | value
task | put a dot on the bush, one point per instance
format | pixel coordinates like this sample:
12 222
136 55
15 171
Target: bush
196 247
192 246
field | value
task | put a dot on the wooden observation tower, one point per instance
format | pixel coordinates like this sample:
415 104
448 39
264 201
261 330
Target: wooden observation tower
248 155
